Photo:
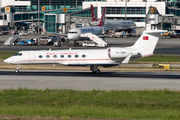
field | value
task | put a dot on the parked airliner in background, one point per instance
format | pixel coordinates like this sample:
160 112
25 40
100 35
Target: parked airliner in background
93 14
126 25
111 56
75 34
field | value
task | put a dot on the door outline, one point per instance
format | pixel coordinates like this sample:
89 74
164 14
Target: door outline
31 57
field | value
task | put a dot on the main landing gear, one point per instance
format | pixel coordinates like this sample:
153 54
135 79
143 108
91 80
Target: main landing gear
76 44
17 68
94 69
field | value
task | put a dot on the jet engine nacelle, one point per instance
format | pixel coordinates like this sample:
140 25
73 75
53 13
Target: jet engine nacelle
65 40
121 52
104 30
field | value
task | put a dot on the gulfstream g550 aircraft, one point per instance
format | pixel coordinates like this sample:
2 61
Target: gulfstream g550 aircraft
111 56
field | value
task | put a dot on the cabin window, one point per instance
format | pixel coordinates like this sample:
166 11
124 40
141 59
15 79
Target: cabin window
76 56
47 56
83 56
40 56
62 56
69 56
54 56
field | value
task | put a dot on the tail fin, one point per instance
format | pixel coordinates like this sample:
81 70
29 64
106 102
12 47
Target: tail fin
146 44
94 16
101 23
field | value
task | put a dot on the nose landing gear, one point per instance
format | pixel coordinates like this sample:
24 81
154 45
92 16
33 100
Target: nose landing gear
94 69
17 68
76 44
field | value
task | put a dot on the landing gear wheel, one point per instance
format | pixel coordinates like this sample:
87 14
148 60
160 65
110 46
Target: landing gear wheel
97 71
94 69
76 44
17 71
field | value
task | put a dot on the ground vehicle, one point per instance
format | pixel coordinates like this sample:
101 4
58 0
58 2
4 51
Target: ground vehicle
32 41
49 40
165 35
23 33
23 43
31 30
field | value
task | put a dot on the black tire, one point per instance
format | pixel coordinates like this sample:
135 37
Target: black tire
98 71
17 71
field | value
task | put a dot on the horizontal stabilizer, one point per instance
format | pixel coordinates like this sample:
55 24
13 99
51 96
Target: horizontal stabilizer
126 60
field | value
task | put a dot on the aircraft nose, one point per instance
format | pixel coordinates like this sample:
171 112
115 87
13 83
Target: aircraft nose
73 36
8 60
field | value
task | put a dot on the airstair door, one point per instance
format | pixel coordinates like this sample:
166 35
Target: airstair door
31 57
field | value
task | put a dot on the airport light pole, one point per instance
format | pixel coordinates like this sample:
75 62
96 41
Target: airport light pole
32 22
125 9
38 17
0 5
76 3
49 4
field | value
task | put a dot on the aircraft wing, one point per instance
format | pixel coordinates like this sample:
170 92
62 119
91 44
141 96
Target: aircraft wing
126 60
57 33
137 27
113 64
124 28
101 36
128 28
4 32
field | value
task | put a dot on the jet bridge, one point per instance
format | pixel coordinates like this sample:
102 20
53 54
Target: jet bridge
11 39
96 39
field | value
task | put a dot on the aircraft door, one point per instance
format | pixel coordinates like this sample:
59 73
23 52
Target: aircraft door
31 57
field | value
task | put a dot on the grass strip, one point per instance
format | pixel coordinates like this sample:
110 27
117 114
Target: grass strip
156 104
160 58
6 54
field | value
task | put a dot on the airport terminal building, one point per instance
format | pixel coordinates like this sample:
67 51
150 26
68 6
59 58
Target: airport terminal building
14 11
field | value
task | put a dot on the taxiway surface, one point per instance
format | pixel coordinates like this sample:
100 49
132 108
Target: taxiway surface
85 80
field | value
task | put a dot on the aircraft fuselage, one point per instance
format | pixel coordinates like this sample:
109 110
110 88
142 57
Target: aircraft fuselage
117 24
72 57
75 34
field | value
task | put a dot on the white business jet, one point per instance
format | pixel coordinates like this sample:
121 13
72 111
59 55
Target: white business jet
75 34
111 56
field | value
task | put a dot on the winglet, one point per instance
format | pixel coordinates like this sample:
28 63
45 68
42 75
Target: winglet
126 60
101 23
94 17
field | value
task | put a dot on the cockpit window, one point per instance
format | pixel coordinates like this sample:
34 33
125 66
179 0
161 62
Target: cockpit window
18 54
44 37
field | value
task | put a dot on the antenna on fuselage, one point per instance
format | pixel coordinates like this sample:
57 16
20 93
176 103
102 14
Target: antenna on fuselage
49 49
